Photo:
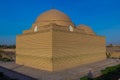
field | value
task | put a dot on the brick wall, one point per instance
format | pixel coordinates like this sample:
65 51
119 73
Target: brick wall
57 50
73 49
35 50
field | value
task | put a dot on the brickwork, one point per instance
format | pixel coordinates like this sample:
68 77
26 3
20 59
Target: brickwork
72 49
114 51
115 54
35 50
54 47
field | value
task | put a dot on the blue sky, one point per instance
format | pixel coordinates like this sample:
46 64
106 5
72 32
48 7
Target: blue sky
103 16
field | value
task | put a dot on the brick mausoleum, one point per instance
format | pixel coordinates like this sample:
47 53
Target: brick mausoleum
54 43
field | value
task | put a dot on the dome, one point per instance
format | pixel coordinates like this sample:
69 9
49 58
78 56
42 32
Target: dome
54 16
86 29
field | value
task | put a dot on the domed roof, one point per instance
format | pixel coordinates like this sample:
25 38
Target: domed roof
54 16
87 29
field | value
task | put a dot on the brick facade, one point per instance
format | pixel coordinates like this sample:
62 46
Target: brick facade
53 47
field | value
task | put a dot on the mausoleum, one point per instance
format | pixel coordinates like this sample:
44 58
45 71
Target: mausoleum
55 43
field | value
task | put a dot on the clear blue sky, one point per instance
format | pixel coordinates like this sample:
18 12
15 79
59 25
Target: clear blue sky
103 16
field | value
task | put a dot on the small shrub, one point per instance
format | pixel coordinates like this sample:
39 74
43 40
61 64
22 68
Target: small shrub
110 69
5 59
85 78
